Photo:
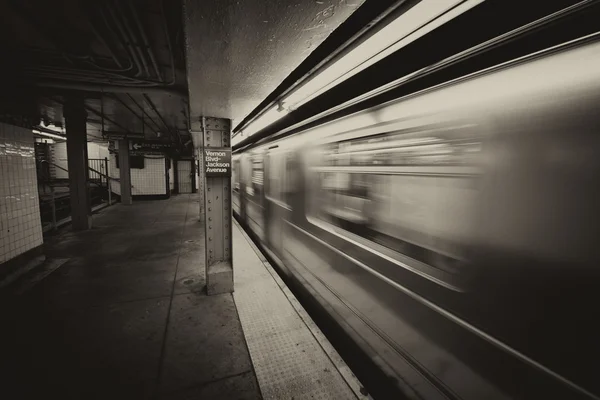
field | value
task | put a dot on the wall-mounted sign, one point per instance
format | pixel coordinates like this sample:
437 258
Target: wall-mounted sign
149 146
122 135
217 162
146 153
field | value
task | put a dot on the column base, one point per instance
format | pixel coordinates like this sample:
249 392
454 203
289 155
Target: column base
82 224
219 278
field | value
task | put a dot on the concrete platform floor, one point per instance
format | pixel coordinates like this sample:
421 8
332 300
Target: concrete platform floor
127 317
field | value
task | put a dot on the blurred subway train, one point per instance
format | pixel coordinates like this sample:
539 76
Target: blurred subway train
452 232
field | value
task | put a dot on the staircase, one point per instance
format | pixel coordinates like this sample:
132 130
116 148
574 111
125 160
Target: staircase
54 193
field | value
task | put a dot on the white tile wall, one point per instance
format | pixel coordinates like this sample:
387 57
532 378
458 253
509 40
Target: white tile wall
148 181
113 172
97 150
58 154
152 179
20 224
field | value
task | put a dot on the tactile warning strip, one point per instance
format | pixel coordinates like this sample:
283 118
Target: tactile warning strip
291 357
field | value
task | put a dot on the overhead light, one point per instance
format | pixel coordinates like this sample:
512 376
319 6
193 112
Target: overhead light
53 128
421 19
50 135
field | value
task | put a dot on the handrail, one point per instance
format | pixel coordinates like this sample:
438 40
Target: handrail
99 182
90 168
102 174
56 165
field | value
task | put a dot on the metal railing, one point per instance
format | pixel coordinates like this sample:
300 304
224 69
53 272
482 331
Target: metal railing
98 170
55 208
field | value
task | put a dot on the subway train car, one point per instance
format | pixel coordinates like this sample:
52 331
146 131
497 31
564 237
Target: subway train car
452 232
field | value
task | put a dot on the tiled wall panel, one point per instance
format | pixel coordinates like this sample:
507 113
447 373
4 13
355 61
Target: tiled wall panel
151 180
113 172
60 166
97 150
20 224
58 153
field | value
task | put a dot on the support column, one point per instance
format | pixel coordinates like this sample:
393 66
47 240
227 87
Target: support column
125 172
176 176
77 160
216 182
193 173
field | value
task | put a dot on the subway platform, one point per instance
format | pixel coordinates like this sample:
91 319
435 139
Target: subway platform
121 312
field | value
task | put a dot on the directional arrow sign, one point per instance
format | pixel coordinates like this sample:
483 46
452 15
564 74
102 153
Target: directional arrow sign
150 146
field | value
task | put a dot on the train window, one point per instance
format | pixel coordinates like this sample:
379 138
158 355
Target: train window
400 212
345 200
282 176
421 214
274 171
236 176
291 173
456 144
257 185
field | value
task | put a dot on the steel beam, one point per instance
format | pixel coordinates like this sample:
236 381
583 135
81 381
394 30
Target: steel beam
216 133
124 172
77 159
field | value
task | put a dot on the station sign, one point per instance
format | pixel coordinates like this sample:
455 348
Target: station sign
122 135
149 146
146 153
217 162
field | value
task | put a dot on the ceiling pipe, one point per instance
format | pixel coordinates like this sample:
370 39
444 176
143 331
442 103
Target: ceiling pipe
110 49
122 38
100 114
81 75
93 74
67 77
121 14
88 58
144 111
45 28
168 40
57 84
141 118
151 104
146 42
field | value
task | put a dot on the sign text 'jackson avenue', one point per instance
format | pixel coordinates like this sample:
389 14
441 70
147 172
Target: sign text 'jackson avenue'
217 162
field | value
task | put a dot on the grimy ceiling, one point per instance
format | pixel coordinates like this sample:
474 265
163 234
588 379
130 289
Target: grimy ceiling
238 51
136 61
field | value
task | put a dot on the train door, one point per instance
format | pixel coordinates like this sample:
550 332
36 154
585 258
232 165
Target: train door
245 183
276 208
268 202
236 183
254 195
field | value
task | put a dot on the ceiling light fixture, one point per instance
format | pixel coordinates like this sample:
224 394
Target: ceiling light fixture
50 135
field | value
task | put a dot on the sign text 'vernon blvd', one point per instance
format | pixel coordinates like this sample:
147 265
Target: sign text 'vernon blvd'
217 162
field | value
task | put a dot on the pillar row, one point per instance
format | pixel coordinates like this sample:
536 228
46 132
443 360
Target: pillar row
77 160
